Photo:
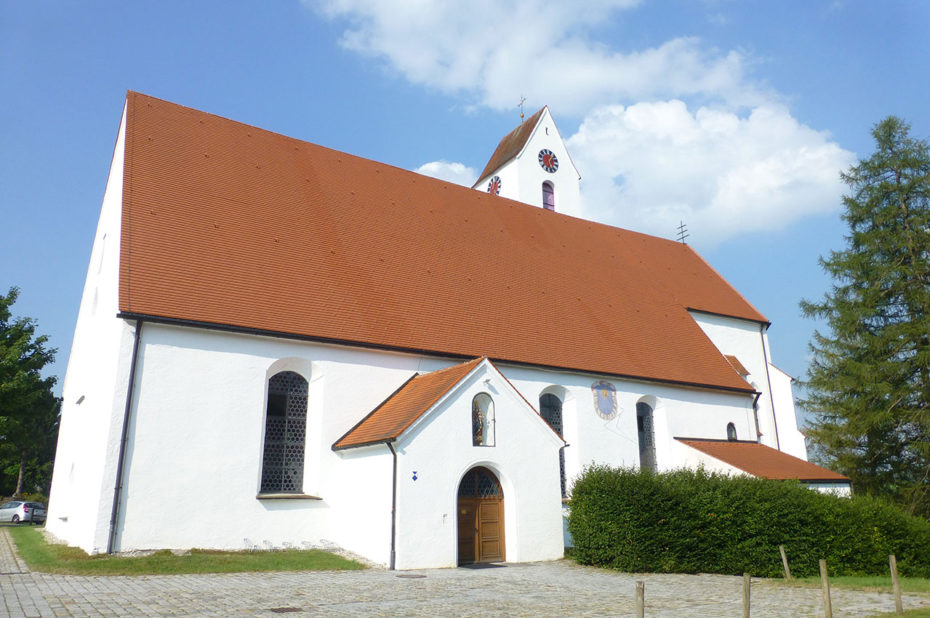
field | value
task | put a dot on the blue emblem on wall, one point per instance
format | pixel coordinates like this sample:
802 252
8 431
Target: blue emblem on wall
605 399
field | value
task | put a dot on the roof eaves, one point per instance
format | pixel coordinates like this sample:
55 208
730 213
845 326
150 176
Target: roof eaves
158 319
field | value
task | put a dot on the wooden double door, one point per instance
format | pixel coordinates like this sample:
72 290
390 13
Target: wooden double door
480 518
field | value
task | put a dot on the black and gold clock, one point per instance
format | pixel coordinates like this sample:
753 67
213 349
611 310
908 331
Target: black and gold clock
548 160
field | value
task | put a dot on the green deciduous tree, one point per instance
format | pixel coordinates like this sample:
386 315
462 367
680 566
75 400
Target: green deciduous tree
869 382
28 408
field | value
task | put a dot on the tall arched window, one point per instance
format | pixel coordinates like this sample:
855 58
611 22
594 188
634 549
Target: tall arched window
731 431
647 443
482 420
550 408
285 434
548 195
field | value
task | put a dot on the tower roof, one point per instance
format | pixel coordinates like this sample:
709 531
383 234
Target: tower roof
511 144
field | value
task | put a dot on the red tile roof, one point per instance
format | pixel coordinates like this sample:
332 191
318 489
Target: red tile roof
763 461
511 144
738 366
226 224
408 403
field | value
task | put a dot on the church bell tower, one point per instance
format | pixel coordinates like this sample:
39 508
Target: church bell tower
531 165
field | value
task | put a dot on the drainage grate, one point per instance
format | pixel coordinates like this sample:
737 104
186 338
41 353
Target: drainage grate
411 576
285 610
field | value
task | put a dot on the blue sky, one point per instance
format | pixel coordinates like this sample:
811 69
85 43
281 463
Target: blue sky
736 117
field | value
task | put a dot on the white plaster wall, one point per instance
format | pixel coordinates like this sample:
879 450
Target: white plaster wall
744 340
94 388
439 449
532 175
678 412
837 489
195 444
510 182
791 439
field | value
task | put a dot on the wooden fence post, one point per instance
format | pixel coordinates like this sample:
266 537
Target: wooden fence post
784 561
640 599
746 585
825 584
895 584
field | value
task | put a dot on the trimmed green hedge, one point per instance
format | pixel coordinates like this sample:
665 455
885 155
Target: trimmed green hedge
695 522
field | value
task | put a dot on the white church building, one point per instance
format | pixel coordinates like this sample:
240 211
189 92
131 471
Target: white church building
285 343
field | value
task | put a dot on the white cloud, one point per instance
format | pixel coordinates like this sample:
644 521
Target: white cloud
701 142
498 50
650 165
454 172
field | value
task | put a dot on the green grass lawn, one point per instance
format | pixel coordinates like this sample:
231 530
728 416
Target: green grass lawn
909 613
876 582
48 558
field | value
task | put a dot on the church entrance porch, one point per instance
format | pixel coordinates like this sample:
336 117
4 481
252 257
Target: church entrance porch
480 518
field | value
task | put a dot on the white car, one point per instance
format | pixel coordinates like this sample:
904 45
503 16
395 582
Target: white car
16 511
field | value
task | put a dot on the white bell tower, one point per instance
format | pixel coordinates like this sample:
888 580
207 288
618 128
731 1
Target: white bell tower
532 165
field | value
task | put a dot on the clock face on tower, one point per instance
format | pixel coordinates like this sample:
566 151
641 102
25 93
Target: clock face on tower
494 185
548 160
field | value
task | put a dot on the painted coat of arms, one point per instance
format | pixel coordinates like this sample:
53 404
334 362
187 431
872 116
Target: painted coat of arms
605 399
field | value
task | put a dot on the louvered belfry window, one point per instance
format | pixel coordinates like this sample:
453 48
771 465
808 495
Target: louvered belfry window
285 434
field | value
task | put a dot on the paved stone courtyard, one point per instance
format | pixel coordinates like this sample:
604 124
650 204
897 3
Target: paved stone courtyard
558 588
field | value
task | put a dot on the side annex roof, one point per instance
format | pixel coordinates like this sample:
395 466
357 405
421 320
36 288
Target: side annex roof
764 461
414 399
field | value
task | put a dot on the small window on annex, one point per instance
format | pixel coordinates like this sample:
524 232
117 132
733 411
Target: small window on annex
482 420
731 431
285 433
548 195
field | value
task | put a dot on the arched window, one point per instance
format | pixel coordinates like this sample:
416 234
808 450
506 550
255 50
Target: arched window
285 433
647 443
731 431
548 195
550 408
482 420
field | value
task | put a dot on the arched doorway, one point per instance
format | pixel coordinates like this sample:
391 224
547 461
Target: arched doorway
480 517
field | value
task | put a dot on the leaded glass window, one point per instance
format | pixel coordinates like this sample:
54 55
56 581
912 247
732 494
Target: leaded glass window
550 408
285 433
647 444
479 483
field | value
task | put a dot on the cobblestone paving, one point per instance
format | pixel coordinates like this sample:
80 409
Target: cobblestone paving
539 589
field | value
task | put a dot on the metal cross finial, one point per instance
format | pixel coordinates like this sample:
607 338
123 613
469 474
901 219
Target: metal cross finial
520 105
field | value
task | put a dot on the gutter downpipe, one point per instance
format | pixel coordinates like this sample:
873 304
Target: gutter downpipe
755 407
117 489
393 507
768 378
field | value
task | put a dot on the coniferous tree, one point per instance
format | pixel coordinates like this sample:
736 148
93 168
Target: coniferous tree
869 382
28 409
